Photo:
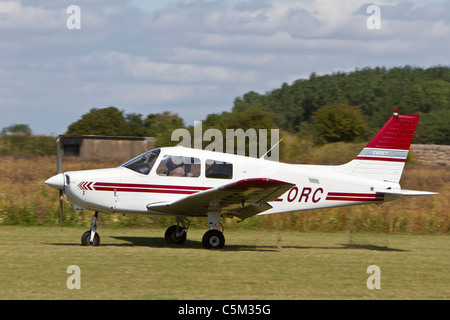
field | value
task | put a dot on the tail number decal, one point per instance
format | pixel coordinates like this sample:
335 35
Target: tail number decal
306 194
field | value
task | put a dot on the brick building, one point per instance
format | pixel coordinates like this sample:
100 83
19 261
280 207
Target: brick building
112 147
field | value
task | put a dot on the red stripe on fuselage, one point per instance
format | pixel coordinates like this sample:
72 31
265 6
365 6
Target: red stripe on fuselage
345 196
147 188
354 199
136 185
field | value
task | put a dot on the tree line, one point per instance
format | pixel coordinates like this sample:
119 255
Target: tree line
336 107
376 92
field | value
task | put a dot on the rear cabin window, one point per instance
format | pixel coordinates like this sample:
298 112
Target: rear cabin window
178 166
218 169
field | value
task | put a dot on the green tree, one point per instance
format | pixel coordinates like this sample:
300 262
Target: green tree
107 121
161 126
249 100
437 127
249 118
340 122
136 125
17 129
18 140
427 96
377 91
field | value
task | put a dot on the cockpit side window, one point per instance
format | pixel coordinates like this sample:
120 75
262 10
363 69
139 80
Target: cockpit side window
143 163
218 169
179 166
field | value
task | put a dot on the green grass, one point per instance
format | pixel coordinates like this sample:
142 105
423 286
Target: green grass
137 264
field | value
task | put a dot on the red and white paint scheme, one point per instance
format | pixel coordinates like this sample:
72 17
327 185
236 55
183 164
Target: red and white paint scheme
182 182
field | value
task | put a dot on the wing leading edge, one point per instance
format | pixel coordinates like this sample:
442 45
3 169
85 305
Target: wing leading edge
244 198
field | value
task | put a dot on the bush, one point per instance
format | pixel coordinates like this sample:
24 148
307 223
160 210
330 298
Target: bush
340 122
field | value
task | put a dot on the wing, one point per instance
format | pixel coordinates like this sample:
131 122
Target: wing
244 198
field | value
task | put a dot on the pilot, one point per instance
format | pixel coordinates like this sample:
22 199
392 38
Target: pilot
175 170
212 169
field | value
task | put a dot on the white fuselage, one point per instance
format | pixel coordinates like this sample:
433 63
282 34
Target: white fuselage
123 190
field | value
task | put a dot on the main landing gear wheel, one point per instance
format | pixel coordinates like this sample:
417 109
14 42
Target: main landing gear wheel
175 235
213 239
86 239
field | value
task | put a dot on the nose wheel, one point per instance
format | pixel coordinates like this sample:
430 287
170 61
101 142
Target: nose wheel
91 237
86 239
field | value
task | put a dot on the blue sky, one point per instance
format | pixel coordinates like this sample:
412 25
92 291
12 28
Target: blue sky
194 57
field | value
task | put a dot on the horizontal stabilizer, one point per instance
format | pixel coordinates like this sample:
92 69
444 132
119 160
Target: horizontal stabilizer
407 192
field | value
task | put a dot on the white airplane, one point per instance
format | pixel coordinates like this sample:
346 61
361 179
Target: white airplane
183 182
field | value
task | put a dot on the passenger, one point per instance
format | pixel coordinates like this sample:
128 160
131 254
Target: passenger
212 169
174 169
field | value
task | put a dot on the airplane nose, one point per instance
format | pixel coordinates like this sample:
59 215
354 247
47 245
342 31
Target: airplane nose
56 182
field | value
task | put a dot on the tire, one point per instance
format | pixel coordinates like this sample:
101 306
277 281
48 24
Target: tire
85 239
213 239
171 237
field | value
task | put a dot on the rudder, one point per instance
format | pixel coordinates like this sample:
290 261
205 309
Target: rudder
385 155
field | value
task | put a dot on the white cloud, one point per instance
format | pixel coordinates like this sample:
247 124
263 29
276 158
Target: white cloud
194 57
13 15
141 68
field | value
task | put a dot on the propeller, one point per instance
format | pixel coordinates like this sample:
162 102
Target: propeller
58 180
59 170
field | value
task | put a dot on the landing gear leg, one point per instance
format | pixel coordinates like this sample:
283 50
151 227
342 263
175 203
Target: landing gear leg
91 237
213 238
176 234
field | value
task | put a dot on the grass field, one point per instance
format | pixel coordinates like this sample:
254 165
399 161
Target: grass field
137 264
302 255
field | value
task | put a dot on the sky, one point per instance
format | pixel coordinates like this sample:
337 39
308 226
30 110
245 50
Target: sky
194 57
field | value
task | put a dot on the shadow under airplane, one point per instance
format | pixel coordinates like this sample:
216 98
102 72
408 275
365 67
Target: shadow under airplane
158 242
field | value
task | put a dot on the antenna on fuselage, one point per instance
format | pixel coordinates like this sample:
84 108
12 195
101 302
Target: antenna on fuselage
270 149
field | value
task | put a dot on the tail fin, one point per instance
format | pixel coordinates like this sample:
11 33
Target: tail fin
384 156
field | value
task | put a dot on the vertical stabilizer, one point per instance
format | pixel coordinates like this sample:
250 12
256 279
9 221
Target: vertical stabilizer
385 155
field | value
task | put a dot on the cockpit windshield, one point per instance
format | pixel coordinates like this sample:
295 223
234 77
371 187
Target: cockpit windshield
144 162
